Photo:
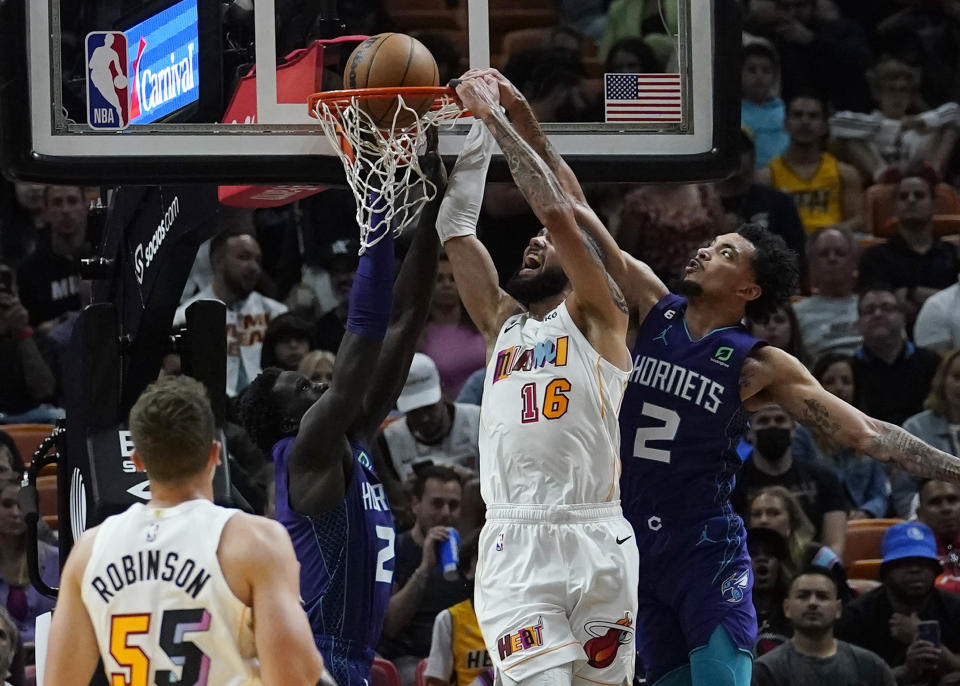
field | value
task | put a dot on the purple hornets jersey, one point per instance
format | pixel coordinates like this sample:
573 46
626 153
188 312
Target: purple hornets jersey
346 566
681 418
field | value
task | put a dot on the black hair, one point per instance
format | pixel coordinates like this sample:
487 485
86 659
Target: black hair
875 287
281 328
925 172
219 242
640 48
16 459
810 95
775 269
817 570
260 412
438 472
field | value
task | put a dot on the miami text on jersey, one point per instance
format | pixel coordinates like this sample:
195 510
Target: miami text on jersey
516 359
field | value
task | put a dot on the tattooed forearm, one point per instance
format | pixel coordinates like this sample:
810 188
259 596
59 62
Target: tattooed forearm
817 419
909 452
533 177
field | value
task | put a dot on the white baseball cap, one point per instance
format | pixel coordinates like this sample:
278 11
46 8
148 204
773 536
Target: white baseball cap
423 385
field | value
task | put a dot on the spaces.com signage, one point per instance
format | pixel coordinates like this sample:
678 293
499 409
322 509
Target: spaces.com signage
164 62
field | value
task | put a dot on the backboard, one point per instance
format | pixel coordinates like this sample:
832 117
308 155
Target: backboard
174 91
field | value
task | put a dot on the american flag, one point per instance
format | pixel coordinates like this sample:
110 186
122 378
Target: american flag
642 98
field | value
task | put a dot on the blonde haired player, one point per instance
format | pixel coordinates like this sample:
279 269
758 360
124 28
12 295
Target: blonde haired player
556 588
179 590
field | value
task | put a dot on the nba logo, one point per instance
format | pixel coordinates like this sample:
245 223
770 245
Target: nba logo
108 93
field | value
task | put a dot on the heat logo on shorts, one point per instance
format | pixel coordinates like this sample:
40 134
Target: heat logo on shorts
607 638
518 359
734 587
522 639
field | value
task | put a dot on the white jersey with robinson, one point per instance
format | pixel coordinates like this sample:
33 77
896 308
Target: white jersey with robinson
159 603
548 422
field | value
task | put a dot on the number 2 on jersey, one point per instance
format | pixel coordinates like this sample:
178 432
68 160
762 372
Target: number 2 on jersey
555 401
185 654
666 432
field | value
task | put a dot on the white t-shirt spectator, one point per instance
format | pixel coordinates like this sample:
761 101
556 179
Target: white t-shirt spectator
246 325
457 449
938 324
828 324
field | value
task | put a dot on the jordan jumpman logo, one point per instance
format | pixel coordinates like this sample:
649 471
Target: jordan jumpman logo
663 335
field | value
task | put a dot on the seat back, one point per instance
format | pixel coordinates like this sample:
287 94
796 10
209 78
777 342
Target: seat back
27 437
384 673
865 569
420 679
880 205
864 539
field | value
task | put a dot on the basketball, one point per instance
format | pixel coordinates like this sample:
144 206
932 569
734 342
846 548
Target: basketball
120 81
391 59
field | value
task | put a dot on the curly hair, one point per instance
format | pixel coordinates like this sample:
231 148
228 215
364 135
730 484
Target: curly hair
259 410
775 269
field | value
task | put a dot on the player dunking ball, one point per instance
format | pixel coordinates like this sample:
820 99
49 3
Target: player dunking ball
696 373
327 493
555 591
179 590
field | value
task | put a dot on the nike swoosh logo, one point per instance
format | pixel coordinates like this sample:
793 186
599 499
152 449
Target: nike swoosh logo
621 541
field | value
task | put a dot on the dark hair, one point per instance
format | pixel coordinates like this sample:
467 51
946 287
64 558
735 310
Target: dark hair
640 48
260 413
437 472
16 459
218 243
49 187
760 49
827 360
875 287
810 95
172 427
282 328
923 171
817 570
794 344
842 230
775 269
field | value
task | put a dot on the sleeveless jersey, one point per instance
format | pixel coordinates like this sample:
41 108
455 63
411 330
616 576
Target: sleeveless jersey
470 656
818 198
346 565
548 422
682 418
158 601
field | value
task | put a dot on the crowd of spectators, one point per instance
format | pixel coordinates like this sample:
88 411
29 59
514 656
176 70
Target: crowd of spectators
847 151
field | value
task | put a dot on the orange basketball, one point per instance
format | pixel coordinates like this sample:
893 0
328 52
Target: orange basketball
391 59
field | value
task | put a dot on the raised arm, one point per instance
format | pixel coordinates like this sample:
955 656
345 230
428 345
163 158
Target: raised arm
411 305
597 301
640 286
487 304
321 446
773 376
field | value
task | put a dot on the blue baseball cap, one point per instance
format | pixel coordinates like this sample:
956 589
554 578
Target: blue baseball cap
909 540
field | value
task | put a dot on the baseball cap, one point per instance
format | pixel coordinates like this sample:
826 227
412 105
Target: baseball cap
341 254
423 385
909 540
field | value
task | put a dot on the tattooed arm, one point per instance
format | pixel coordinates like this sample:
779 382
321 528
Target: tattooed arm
640 286
596 304
773 376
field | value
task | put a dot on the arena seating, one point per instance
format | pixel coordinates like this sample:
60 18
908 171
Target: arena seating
864 539
383 673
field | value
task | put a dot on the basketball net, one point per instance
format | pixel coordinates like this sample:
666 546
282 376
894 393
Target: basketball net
382 164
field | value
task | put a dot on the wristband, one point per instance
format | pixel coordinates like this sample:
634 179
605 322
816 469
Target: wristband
24 333
460 209
371 296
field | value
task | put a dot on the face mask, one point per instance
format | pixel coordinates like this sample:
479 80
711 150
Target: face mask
772 443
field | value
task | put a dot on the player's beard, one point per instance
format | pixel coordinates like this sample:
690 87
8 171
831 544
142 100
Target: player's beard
688 288
531 289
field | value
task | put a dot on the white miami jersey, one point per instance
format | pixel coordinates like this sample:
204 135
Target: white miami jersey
159 603
548 423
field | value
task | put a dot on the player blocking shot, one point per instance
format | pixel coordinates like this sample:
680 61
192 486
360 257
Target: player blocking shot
696 375
556 591
328 495
179 590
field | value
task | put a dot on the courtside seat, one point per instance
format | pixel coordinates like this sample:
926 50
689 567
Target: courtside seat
865 569
47 495
384 673
420 679
864 539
